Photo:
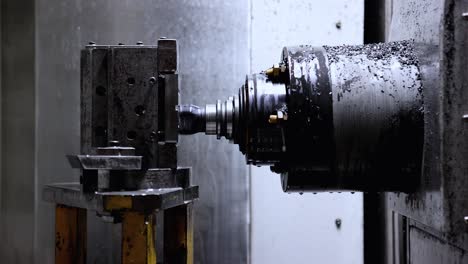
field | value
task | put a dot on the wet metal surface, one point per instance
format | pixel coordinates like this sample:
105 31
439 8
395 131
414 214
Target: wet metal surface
381 133
440 204
359 109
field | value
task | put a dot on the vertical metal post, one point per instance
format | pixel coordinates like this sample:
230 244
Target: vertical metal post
70 235
178 235
374 21
138 238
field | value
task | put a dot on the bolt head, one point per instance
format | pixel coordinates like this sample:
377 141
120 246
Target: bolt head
338 223
338 25
273 119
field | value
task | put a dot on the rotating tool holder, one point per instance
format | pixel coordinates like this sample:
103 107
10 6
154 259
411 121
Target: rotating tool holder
128 157
329 118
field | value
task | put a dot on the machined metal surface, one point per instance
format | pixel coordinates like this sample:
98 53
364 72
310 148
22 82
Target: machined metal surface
210 117
108 162
371 98
218 118
70 194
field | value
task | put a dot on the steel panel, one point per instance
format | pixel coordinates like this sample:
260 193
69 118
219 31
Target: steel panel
440 204
18 135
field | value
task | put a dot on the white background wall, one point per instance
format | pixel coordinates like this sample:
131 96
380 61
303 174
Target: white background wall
293 228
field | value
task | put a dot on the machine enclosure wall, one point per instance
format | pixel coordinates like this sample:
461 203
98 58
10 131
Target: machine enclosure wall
41 43
428 226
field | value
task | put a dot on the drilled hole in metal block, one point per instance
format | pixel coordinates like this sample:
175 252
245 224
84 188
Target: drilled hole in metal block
131 81
140 110
131 135
101 90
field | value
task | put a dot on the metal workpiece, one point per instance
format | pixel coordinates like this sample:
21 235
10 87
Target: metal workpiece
158 178
129 94
329 118
129 119
145 200
210 116
171 99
